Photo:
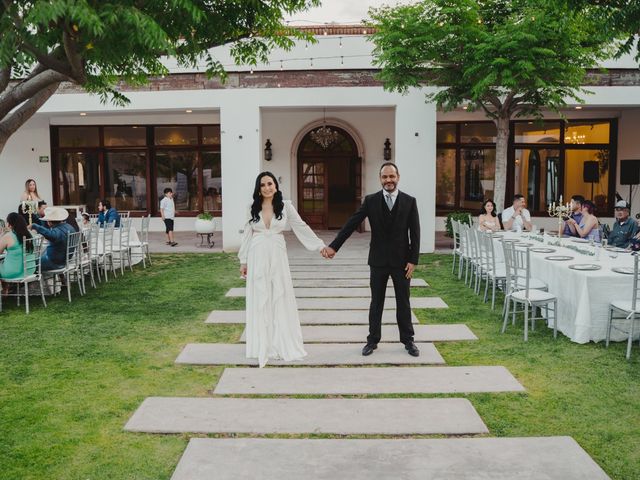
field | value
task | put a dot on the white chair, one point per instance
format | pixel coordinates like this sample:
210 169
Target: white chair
626 310
492 271
104 255
86 256
143 243
31 254
519 291
71 267
457 252
122 251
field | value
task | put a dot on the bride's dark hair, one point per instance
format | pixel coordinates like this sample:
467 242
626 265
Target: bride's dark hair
256 206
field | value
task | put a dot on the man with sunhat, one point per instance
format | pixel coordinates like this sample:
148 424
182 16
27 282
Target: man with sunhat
56 232
624 228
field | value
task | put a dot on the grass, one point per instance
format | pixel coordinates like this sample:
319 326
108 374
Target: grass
71 375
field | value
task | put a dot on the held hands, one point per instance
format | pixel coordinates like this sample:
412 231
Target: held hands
328 252
409 269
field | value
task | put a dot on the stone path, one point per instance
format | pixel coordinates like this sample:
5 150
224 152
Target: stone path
313 317
317 354
547 458
333 301
357 333
340 416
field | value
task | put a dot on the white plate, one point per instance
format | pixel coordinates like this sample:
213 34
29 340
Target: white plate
559 258
585 266
617 249
623 270
523 244
542 250
579 240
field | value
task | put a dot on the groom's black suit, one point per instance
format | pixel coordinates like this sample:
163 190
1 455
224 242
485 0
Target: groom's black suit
395 241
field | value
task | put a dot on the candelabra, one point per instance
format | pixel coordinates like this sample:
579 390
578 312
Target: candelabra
29 207
559 210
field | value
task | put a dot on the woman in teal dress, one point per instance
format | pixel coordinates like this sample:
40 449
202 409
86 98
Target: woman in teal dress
11 245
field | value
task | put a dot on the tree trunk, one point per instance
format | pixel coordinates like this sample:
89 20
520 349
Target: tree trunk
502 149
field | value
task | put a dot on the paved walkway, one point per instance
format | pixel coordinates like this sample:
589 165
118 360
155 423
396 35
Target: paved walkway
335 328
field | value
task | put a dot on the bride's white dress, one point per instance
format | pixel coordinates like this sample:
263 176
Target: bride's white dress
272 323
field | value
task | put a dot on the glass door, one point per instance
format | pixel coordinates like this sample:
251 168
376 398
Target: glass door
312 178
78 179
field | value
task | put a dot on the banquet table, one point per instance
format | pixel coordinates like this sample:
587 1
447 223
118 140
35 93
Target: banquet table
583 296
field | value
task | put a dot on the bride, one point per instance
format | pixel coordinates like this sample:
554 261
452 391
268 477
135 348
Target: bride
272 323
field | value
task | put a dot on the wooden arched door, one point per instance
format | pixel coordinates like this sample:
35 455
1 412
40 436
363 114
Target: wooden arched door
329 179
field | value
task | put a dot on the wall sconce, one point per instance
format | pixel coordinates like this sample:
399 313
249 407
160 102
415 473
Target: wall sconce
268 154
387 150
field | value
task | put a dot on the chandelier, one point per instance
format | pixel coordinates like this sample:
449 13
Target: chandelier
324 136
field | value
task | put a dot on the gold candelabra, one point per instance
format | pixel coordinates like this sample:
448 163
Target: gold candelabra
559 210
30 207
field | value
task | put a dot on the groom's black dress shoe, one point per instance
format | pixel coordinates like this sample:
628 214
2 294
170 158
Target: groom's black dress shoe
368 349
412 349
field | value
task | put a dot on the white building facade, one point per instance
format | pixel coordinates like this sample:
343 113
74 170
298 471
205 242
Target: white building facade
207 142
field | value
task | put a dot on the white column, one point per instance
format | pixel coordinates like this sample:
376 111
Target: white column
415 155
240 152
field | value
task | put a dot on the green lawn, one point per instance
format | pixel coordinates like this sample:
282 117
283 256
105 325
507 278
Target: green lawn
71 375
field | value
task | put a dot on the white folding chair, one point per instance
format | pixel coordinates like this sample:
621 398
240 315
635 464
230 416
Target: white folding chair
519 291
143 242
492 271
71 267
122 251
457 252
626 310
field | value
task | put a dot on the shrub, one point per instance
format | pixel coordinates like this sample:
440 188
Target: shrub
463 217
206 216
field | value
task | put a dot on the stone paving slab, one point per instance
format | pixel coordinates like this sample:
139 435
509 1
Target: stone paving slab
317 354
540 458
366 380
312 262
333 303
313 317
329 268
348 283
321 292
329 274
358 333
339 416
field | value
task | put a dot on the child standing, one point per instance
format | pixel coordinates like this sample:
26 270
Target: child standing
168 213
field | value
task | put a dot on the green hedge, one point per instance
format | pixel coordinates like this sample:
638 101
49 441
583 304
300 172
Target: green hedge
463 217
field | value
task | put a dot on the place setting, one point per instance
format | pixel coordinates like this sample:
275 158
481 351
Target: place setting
542 250
585 267
623 270
559 258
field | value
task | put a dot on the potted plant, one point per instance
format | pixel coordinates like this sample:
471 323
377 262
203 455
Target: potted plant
205 223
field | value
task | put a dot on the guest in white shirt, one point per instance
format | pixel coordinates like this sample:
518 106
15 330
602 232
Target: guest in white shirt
516 218
168 214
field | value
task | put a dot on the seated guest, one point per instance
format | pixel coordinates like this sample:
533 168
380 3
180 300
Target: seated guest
624 228
107 214
55 256
73 222
588 227
86 221
576 213
37 218
488 220
11 244
516 218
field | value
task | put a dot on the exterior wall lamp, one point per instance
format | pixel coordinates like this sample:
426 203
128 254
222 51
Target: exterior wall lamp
268 154
387 150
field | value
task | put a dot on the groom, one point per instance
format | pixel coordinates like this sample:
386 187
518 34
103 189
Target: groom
393 252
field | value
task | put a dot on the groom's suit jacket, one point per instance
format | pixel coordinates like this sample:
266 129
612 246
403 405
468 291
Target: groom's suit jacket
395 234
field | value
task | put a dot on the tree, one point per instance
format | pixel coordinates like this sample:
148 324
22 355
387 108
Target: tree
510 58
99 43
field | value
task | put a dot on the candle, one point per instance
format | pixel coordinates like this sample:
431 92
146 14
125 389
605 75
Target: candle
560 199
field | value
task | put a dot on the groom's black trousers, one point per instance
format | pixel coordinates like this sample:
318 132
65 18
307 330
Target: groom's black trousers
378 281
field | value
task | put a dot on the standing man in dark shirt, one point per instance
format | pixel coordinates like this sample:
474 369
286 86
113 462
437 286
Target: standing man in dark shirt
393 252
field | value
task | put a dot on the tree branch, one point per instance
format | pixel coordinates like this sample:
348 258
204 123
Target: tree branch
75 61
19 117
48 61
489 113
28 89
5 76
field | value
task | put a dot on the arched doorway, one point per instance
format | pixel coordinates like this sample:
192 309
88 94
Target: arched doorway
329 177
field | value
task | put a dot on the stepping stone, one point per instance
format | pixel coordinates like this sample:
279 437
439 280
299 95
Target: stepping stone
544 458
348 283
317 354
304 292
313 317
311 262
358 333
329 274
339 416
363 303
330 268
361 381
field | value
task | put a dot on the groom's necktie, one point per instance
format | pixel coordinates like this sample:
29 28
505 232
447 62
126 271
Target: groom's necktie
389 202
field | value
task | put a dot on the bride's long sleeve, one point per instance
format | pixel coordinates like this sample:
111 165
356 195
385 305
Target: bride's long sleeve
245 241
302 231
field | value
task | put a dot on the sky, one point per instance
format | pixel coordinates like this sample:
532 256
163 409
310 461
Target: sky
339 11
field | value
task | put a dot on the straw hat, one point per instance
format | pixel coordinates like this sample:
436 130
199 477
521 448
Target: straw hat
55 214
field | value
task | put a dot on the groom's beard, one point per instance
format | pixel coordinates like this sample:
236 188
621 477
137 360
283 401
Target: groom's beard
390 187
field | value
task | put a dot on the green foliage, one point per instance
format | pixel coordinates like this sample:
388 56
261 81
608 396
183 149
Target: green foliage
99 43
462 217
205 216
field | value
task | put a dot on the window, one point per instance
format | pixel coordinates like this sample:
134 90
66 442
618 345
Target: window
477 174
132 164
446 177
537 176
536 132
587 174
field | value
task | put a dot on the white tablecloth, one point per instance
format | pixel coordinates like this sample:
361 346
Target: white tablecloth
136 252
583 296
